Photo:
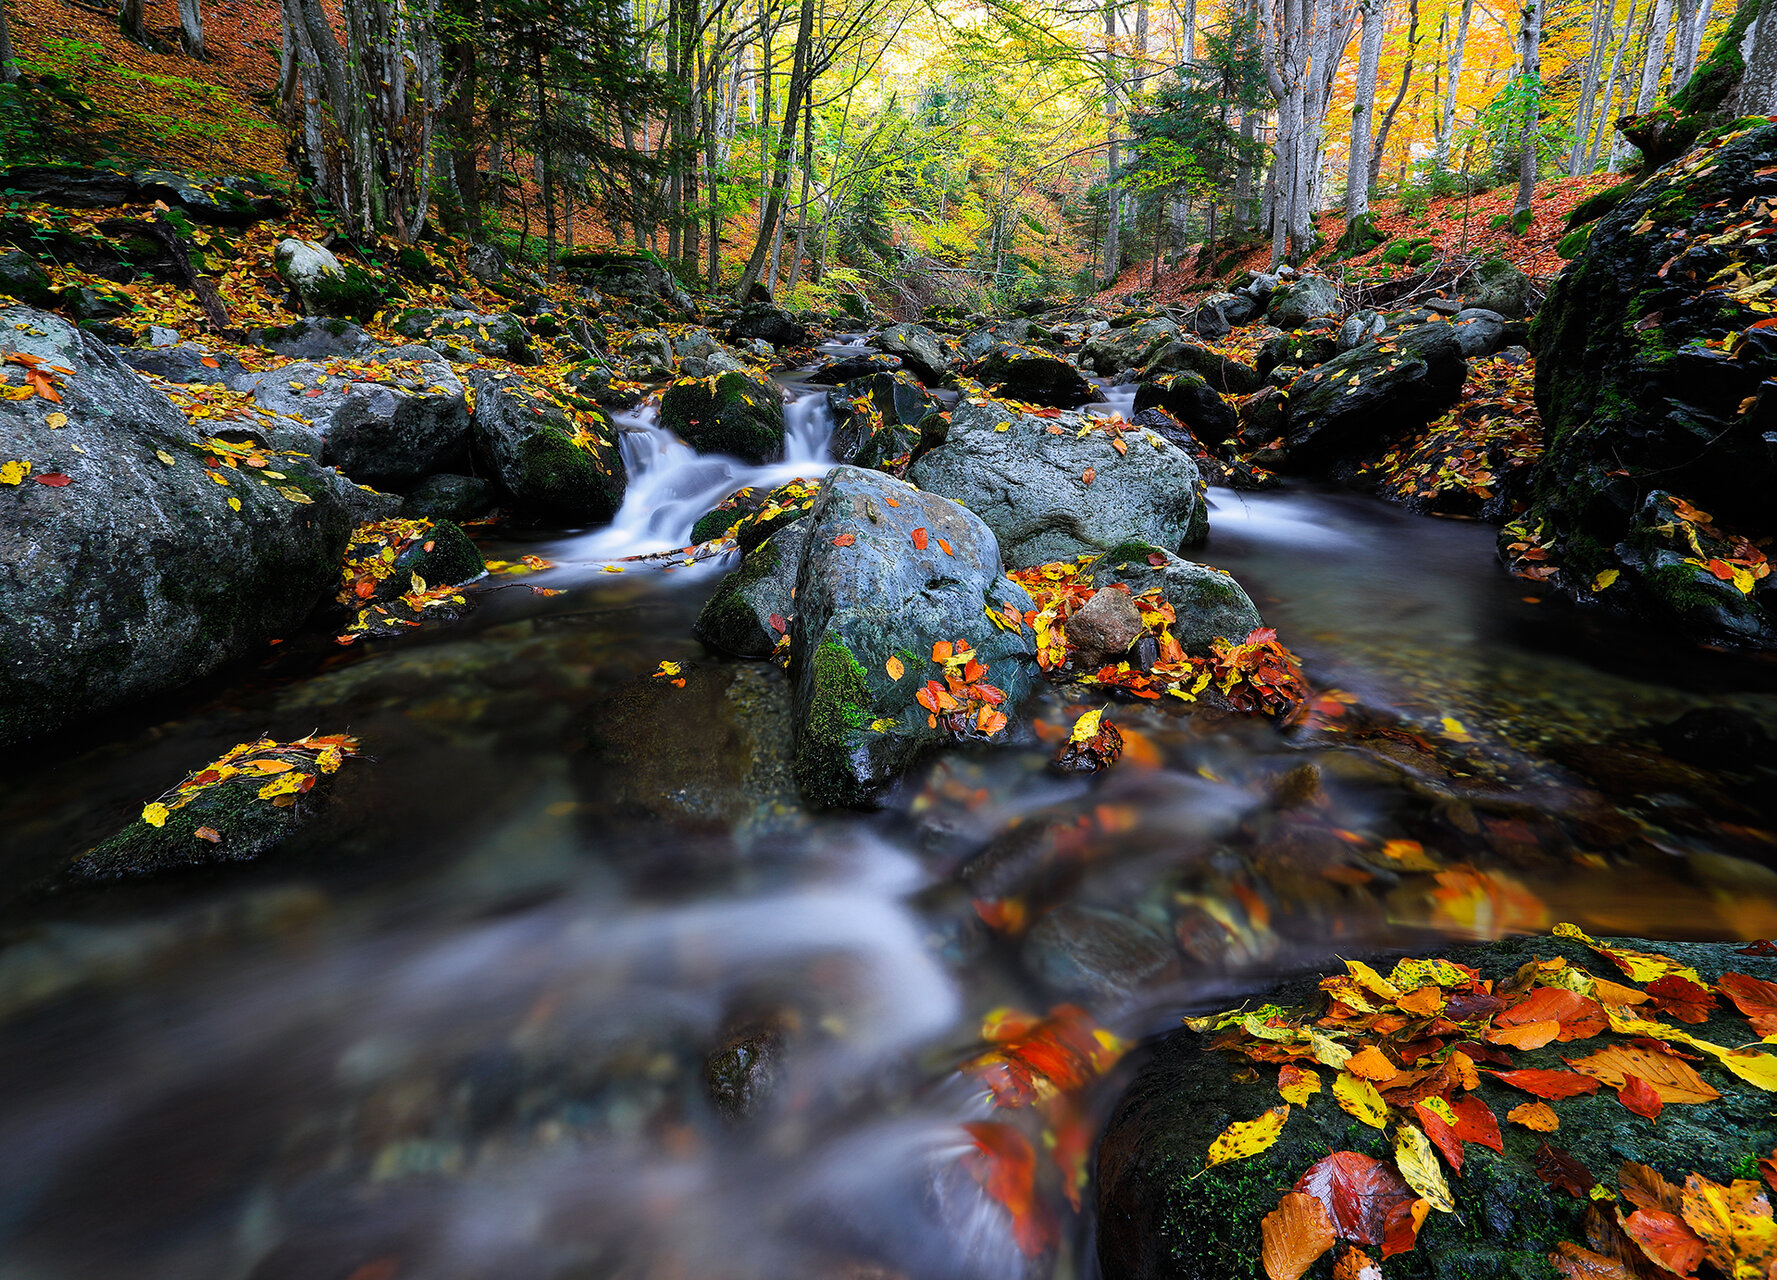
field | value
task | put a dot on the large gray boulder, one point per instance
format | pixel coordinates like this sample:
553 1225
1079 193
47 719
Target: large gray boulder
466 336
323 284
1307 299
187 362
872 602
1210 605
554 460
767 322
1479 332
919 348
730 413
1373 393
133 558
1499 286
392 421
1050 493
1119 350
1038 377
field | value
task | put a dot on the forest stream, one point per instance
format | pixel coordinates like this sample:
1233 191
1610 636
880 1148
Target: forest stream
570 983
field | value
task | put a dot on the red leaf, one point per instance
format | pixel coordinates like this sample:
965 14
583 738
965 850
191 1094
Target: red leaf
947 547
1666 1238
1443 1137
1401 1230
1005 1165
919 539
1158 560
1639 1096
1089 475
1549 1084
1681 998
1580 1018
1764 946
778 624
54 479
1560 1170
1475 1122
1754 997
1358 1193
1261 635
845 539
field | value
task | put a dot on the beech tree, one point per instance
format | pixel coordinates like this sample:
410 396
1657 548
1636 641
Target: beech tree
1369 59
1530 33
1447 122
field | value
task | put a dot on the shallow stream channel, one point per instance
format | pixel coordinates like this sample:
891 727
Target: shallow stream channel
568 983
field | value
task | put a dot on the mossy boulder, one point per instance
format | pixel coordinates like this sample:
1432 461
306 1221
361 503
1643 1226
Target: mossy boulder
1210 605
1189 398
23 279
554 457
466 336
1373 393
1499 286
756 513
1049 492
1302 350
752 606
451 497
888 572
323 284
1162 1216
1224 375
1119 350
768 323
730 413
1035 376
1651 377
1309 298
877 419
159 558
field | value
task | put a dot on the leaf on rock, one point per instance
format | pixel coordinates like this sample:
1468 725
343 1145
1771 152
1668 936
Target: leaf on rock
1355 1264
1640 1097
155 815
1579 1018
1545 1083
208 833
1295 1234
1401 1230
1359 1098
1734 1223
1296 1084
1681 998
1418 1164
1538 1117
1754 997
1576 1263
845 539
1358 1193
1475 1122
919 539
54 479
1673 1079
1647 1188
895 668
1560 1170
1666 1239
1246 1138
1370 1063
1439 1130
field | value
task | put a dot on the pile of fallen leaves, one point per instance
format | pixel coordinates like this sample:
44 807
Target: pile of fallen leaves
1408 1050
369 563
1040 1065
1458 462
1254 674
290 769
1725 555
959 697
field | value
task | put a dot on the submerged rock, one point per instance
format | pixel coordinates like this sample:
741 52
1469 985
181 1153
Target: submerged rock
154 561
730 413
1050 493
888 573
554 461
1088 952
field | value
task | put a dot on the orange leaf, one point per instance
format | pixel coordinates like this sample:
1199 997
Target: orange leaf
1681 998
1576 1263
1295 1234
210 362
1754 997
1526 1035
1089 475
1734 1222
919 539
1580 1018
1005 1165
845 539
1371 1064
942 651
1673 1079
1646 1188
1476 1123
1666 1238
1355 1264
895 668
1537 1116
1639 1096
947 548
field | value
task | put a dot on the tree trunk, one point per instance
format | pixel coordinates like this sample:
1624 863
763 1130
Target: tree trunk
1653 60
1113 203
1582 118
780 177
1758 86
1400 94
802 208
1448 126
1605 116
1530 33
9 68
130 18
191 28
1363 107
1685 34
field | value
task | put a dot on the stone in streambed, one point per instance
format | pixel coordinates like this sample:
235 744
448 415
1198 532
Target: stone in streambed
1091 953
1373 393
919 348
868 594
450 497
731 414
1189 398
1118 350
1028 477
1034 376
877 418
1104 627
554 461
738 617
139 575
1209 604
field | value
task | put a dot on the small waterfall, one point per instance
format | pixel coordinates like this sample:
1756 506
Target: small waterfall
1118 401
671 484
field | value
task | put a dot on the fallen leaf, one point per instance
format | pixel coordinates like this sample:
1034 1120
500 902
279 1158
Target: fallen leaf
1438 1128
1754 997
1576 1263
1545 1083
1539 1117
1734 1223
208 833
1673 1079
1089 475
55 420
1246 1138
946 547
54 479
919 539
845 539
1297 1084
1418 1164
1358 1193
1647 1188
1359 1098
1681 998
1560 1170
1355 1264
1476 1123
1004 1164
1369 1063
895 668
1294 1236
155 815
1640 1097
1666 1239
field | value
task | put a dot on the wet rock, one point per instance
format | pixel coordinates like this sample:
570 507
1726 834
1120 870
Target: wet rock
708 756
1036 377
919 348
1228 377
765 322
751 608
877 418
1374 392
759 512
317 339
978 342
1309 298
1119 350
1104 627
1263 417
323 284
1500 287
186 362
1658 555
1210 605
1360 327
400 418
464 336
485 262
836 370
448 497
1300 350
554 461
1161 1215
882 596
1220 313
640 276
733 414
1190 399
649 352
22 278
744 1074
1029 483
1722 738
138 575
1478 332
1082 952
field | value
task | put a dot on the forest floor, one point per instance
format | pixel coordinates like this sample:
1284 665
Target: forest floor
1453 227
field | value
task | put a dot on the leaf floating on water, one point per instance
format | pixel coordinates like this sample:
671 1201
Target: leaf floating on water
1295 1235
1246 1138
1004 1164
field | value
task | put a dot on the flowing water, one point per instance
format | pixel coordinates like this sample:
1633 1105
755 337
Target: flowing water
476 1019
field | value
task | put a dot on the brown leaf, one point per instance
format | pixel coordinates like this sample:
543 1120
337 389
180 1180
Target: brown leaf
1539 1117
1672 1079
1560 1170
1295 1234
1576 1263
1645 1188
1681 998
208 833
1358 1192
1089 475
1754 997
1355 1264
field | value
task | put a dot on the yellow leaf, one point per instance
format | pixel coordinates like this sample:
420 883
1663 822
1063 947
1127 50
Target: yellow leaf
234 504
1086 727
1605 578
294 494
218 477
1454 728
1418 1164
416 583
1359 1098
613 568
164 456
1410 975
56 420
1371 981
1758 1069
285 784
1246 1138
1304 1082
1328 1051
895 668
155 815
14 472
1003 426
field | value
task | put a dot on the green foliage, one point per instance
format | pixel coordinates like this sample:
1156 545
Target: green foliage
1596 206
1415 252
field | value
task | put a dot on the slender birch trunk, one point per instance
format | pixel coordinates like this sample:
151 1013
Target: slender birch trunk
1448 126
1369 59
1653 61
1530 31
